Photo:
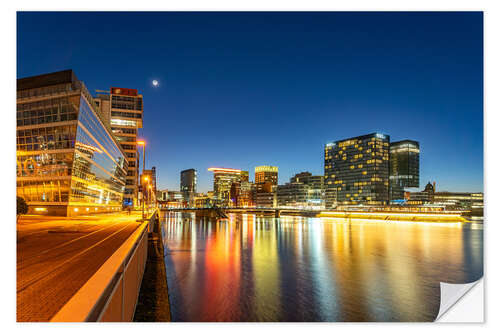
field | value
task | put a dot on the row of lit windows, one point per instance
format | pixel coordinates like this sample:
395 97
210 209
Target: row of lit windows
44 190
47 138
31 167
46 131
56 103
65 144
126 102
128 147
48 90
46 119
123 122
127 106
119 130
130 155
126 114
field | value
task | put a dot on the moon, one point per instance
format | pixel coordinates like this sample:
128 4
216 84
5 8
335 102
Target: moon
155 83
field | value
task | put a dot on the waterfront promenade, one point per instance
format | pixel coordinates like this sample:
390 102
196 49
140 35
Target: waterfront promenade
56 256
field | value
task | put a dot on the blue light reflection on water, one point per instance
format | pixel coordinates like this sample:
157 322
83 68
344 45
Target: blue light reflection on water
250 268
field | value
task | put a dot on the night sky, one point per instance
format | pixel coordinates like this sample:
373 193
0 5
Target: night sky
239 90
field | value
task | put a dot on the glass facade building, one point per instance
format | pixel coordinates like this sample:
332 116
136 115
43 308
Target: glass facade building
357 171
188 184
404 167
68 162
223 179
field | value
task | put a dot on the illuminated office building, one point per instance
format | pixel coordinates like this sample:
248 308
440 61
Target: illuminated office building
188 184
404 167
357 171
266 199
223 179
122 108
68 162
246 196
266 179
266 174
303 190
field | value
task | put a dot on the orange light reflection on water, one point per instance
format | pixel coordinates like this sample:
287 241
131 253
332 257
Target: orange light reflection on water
293 268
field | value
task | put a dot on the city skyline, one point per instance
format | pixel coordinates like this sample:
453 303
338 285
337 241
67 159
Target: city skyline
253 96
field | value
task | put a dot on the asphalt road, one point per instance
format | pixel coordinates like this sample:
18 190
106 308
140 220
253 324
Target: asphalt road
56 256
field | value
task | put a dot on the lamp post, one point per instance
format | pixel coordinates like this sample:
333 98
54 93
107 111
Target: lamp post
149 196
143 144
145 180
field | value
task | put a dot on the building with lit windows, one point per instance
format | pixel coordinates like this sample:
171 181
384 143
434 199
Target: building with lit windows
246 196
304 190
223 179
404 171
122 108
188 184
266 174
68 162
266 199
357 171
459 200
244 176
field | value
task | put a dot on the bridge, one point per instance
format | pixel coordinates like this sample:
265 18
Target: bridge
221 212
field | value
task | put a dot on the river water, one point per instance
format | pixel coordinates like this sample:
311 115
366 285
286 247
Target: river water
251 268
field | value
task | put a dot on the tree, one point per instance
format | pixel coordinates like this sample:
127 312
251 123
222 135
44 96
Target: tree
22 207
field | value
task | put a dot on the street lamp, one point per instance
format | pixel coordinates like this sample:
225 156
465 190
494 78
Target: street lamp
143 144
149 196
143 186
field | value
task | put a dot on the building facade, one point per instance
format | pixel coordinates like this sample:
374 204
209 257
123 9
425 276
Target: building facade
68 162
266 199
246 196
357 171
304 190
188 182
223 179
404 167
123 109
266 174
244 176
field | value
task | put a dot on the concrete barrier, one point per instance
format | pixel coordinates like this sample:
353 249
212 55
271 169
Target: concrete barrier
111 294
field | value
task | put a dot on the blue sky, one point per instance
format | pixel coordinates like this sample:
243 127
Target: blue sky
240 90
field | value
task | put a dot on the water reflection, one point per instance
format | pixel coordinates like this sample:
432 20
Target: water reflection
250 268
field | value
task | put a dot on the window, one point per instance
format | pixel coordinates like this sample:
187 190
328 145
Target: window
122 122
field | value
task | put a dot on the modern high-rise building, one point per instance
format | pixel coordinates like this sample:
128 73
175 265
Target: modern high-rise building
188 184
266 174
122 108
357 171
223 179
68 162
404 167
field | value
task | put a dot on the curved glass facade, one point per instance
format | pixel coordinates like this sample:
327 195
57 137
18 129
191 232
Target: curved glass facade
66 157
99 167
